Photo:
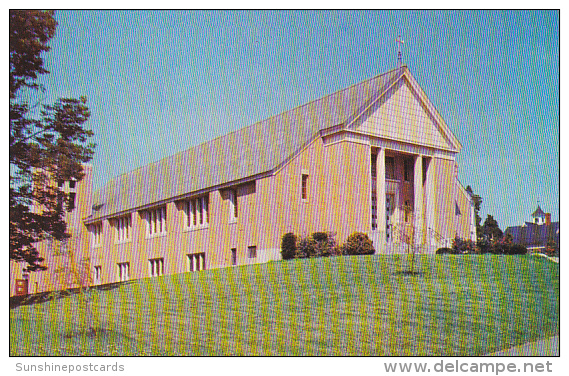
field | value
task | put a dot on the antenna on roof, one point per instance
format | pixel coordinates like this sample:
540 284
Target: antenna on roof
400 42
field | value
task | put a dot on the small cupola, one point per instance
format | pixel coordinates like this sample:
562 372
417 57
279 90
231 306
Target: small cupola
539 216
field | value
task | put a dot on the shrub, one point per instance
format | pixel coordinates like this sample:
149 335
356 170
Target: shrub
326 244
460 246
516 249
306 247
288 246
446 251
320 236
358 244
552 249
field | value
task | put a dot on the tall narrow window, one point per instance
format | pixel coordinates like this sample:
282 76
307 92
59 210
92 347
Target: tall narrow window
156 267
124 272
97 275
234 256
373 191
199 216
197 212
156 221
389 168
196 262
71 201
97 231
233 205
304 188
407 169
408 210
389 206
123 228
252 252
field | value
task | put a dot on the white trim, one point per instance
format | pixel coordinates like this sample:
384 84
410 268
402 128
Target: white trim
392 145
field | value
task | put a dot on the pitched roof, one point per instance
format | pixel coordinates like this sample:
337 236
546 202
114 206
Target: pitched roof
538 212
533 234
249 151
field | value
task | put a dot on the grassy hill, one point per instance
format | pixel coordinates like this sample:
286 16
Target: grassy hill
359 305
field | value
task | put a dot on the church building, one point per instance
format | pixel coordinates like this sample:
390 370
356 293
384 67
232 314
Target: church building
375 157
535 235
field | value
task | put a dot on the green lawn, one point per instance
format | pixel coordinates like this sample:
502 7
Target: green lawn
359 305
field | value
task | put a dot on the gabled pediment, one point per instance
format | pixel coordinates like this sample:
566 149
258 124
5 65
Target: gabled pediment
404 113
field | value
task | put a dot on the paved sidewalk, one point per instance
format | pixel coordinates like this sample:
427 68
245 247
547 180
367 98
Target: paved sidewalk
543 347
554 259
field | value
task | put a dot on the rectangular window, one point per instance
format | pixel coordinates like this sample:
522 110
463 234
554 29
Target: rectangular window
408 210
124 272
252 252
97 275
196 262
390 168
71 201
72 184
304 189
233 205
233 256
97 231
197 212
373 192
156 267
156 221
123 228
408 170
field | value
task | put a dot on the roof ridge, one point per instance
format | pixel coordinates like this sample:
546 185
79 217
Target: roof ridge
117 177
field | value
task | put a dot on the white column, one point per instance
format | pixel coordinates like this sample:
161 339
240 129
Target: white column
380 192
430 206
418 194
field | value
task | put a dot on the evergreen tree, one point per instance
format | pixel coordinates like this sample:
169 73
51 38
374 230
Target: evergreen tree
490 230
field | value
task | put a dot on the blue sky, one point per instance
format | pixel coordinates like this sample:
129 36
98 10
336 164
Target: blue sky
159 82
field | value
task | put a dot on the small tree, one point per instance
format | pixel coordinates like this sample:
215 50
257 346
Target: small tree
75 273
491 230
288 246
407 233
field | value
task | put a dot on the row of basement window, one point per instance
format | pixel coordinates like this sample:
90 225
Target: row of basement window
195 262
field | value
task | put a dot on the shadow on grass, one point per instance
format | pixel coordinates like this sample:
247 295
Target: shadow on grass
408 272
42 297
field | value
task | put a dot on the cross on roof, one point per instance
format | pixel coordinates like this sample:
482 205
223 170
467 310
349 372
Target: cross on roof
400 42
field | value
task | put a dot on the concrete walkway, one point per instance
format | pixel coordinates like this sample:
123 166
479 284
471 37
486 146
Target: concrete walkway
554 259
543 347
